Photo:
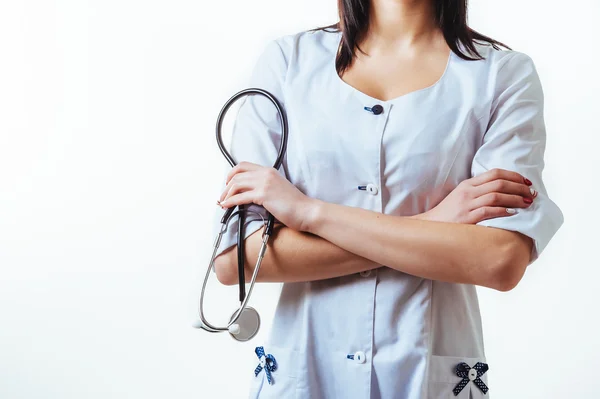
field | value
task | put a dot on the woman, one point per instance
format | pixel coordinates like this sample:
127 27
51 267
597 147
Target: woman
410 136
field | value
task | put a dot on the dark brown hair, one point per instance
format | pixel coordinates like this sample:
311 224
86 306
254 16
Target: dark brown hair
450 15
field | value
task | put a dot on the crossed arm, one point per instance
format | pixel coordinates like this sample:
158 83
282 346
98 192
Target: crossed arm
338 240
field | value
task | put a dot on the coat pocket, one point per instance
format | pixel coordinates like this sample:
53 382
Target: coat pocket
283 378
444 381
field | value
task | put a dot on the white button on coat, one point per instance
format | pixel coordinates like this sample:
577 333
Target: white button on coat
360 357
372 189
478 116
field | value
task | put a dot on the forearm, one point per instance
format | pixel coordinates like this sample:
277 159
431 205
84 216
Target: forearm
291 256
452 252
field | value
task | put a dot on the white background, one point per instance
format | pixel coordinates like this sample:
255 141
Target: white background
108 180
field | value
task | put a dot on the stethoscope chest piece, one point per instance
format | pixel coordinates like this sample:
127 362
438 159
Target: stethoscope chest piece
246 326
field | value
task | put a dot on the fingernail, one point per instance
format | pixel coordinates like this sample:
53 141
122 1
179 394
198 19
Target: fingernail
511 211
533 192
218 202
527 200
527 181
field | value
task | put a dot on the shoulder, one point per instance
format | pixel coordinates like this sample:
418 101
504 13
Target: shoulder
299 53
515 76
304 46
511 64
498 60
307 40
293 57
507 65
502 71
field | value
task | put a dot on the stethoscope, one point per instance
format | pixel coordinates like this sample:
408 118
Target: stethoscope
245 321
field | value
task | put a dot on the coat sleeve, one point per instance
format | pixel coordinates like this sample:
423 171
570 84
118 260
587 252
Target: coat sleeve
256 135
515 140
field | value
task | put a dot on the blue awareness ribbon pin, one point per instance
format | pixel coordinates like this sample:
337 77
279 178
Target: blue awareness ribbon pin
267 362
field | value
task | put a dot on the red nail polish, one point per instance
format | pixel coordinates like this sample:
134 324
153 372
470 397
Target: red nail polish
527 181
527 200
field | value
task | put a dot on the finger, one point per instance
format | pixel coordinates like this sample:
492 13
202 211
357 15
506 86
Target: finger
501 200
243 166
239 181
497 174
505 187
247 197
238 188
490 212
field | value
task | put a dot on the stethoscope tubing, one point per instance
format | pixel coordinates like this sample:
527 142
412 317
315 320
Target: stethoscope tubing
241 212
232 162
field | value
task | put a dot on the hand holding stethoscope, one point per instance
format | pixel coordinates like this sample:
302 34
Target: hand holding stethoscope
250 183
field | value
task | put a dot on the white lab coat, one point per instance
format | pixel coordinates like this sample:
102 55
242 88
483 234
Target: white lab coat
406 333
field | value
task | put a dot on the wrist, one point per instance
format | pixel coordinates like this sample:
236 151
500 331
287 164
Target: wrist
313 214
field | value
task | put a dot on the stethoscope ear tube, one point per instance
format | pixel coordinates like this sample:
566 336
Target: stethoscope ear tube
245 321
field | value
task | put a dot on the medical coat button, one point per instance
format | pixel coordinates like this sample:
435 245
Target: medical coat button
360 357
472 374
365 273
372 189
377 109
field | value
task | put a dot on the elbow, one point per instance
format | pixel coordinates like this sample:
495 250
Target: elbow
224 269
512 260
507 277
